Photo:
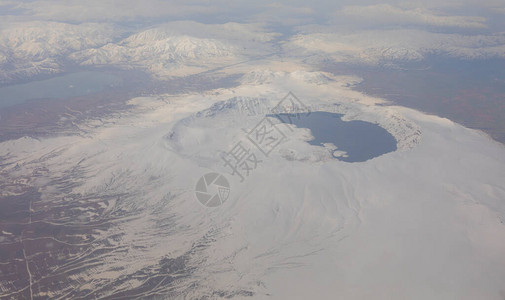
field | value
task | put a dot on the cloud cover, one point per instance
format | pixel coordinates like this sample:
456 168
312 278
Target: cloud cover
394 15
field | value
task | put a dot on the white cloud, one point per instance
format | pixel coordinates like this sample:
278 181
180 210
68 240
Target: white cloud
500 10
389 14
106 10
284 14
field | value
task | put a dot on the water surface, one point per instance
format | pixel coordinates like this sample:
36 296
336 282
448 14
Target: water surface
66 86
360 140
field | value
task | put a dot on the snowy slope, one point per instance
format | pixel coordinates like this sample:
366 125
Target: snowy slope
422 223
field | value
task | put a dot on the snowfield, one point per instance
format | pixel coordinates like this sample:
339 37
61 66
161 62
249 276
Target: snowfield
423 222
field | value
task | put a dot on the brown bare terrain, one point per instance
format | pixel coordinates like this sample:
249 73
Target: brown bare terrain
469 93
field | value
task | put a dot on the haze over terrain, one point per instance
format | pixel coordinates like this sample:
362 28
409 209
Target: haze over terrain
252 150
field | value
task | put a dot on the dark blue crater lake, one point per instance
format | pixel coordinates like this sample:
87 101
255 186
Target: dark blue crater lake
360 140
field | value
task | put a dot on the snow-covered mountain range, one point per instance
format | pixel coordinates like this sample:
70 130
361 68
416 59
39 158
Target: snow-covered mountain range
168 50
186 47
400 45
34 48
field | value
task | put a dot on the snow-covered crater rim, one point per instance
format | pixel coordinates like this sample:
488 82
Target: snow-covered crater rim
232 119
